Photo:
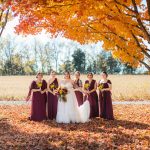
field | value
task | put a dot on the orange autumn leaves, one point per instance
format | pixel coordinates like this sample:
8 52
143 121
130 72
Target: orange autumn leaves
118 23
130 130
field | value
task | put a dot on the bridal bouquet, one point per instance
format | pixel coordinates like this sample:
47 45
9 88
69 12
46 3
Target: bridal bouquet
62 92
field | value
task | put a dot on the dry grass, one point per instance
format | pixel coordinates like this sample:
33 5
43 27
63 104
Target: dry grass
125 87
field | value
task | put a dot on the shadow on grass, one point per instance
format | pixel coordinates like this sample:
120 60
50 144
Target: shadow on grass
12 138
115 131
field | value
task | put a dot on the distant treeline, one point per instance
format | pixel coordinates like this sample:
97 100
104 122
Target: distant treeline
27 60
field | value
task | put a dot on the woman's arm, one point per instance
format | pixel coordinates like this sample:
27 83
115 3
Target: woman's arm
80 87
36 90
48 89
95 88
108 89
44 87
30 90
44 91
84 90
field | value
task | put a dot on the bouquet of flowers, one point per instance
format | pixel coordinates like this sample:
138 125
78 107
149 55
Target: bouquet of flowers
62 92
52 87
86 86
100 86
39 85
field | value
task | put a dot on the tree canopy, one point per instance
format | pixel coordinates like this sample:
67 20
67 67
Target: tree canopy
122 25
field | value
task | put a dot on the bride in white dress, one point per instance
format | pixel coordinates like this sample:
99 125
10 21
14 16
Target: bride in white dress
69 111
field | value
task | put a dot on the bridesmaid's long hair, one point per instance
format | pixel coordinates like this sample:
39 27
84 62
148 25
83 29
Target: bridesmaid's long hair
90 73
67 72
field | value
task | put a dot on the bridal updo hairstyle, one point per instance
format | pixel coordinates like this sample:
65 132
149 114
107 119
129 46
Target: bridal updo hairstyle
78 72
67 72
53 72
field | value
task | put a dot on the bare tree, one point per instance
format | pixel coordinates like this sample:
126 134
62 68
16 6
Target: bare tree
55 54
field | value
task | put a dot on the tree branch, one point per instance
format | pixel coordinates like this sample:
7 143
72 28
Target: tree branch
145 64
148 7
5 22
138 44
139 20
124 6
1 15
62 5
124 50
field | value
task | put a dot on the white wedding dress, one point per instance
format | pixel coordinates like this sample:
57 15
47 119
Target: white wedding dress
69 111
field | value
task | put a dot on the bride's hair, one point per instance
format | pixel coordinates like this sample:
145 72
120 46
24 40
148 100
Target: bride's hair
78 72
52 72
67 72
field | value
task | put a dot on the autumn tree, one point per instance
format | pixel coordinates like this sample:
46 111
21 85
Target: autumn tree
122 25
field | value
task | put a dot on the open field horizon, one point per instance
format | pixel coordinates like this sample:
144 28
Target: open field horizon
125 87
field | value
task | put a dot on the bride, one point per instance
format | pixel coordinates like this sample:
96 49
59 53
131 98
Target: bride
69 111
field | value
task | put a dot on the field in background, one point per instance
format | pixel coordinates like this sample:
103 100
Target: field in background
125 87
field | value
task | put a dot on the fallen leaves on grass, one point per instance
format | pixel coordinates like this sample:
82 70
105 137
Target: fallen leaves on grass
130 130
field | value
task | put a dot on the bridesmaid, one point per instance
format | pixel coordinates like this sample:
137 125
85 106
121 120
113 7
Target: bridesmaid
37 93
90 88
105 87
78 88
52 97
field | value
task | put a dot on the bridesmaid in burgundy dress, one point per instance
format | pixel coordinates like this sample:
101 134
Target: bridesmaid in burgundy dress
52 97
90 88
78 88
37 94
105 86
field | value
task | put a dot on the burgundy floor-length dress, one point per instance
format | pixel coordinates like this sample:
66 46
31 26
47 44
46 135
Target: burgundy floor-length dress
52 102
79 95
93 100
38 102
106 109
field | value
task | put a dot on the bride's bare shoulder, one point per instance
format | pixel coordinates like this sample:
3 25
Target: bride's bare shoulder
62 80
72 81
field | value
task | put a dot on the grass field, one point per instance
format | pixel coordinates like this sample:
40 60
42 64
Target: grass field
125 87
